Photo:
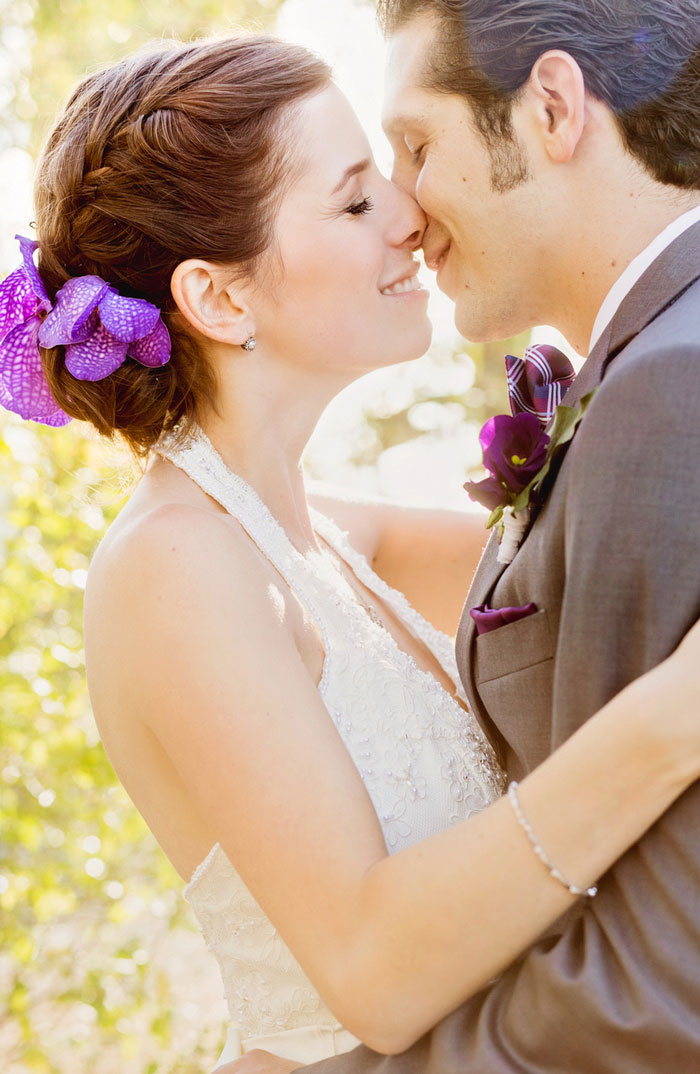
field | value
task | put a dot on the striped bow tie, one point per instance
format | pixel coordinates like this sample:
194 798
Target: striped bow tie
538 382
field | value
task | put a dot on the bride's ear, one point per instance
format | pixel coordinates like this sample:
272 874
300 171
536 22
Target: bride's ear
215 308
558 91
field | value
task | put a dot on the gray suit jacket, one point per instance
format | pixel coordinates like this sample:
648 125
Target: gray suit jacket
612 562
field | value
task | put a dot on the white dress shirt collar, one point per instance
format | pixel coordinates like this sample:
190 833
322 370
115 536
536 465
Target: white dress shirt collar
636 269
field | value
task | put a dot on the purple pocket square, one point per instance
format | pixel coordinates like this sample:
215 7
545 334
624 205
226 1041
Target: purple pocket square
488 619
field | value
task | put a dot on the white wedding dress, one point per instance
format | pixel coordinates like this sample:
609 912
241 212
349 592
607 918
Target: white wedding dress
424 760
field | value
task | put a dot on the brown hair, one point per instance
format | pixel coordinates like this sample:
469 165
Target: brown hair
641 58
179 151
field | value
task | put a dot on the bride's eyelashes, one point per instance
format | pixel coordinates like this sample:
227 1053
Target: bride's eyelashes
360 208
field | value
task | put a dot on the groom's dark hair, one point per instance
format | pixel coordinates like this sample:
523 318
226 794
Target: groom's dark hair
641 57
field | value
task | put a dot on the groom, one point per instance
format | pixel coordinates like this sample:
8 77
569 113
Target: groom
555 148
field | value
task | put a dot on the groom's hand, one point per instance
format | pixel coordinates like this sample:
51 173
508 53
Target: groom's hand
259 1062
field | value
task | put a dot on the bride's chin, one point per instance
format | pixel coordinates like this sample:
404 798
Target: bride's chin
408 346
401 357
422 341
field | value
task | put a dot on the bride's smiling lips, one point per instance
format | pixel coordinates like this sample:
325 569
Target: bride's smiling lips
407 283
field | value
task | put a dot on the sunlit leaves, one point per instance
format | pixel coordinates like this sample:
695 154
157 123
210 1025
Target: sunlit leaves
108 30
84 890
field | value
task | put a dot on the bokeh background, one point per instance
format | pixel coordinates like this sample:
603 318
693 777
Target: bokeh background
101 966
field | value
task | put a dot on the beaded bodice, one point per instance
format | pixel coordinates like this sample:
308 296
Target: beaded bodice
424 760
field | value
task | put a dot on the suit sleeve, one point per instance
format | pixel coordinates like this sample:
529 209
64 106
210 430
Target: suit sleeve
617 988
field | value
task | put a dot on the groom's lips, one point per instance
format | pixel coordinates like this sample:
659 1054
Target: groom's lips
435 259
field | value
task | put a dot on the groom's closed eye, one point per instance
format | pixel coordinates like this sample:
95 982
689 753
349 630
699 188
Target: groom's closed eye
416 154
405 130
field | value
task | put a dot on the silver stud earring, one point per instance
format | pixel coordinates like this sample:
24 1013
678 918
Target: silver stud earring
250 344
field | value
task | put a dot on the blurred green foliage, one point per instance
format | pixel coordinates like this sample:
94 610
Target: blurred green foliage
488 395
110 29
87 900
46 46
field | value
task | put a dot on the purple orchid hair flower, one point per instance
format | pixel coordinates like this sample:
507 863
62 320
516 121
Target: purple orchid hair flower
98 327
23 303
27 248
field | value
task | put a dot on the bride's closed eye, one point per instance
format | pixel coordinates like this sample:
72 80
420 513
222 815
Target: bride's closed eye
360 208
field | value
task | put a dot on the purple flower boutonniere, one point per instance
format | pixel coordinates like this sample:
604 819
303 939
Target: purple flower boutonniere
518 455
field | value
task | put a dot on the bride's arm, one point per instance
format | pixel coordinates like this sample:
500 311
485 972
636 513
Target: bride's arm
392 943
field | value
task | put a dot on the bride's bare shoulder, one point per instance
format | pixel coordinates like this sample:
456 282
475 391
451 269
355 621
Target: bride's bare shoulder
170 537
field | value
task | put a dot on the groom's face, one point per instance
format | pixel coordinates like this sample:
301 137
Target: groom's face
485 228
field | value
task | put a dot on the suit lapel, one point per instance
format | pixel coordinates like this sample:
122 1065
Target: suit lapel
489 571
591 371
663 282
487 574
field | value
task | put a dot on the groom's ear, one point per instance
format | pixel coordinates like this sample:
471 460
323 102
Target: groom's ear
558 95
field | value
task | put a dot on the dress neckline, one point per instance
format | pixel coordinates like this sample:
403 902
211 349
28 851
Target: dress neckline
330 537
334 550
228 478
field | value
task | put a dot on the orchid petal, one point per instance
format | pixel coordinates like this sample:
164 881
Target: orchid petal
27 247
58 419
6 400
70 320
128 319
154 349
97 357
23 386
17 301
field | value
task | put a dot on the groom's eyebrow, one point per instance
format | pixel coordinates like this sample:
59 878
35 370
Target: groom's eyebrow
402 121
354 169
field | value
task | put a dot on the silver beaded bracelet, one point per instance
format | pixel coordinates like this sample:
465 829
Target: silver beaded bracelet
539 849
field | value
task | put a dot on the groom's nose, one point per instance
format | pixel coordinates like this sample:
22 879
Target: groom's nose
431 234
410 219
404 176
401 179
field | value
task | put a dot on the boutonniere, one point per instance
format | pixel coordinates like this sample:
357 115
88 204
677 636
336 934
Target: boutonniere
518 455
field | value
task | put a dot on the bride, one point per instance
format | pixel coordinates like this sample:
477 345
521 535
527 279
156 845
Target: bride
292 730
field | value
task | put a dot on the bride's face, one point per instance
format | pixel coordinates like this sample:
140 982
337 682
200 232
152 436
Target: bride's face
346 296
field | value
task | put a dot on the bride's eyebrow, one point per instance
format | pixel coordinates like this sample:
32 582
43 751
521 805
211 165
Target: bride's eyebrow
354 169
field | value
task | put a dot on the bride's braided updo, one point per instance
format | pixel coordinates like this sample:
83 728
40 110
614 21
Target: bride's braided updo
180 151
